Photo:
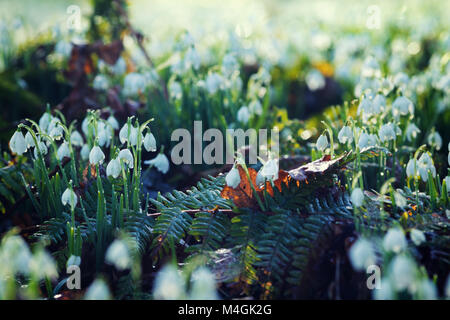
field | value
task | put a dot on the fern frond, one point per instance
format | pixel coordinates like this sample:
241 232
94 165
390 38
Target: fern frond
211 228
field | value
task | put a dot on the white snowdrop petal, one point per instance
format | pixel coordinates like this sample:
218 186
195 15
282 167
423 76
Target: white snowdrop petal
362 254
357 197
69 197
243 115
394 240
76 139
345 135
118 255
113 168
150 142
127 157
322 142
417 236
96 156
63 151
85 152
17 144
160 162
98 290
233 178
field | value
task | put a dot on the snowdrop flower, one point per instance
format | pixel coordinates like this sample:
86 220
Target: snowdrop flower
229 65
69 197
63 151
17 144
365 108
370 68
367 86
233 178
435 140
386 292
401 80
113 122
85 152
447 183
402 106
42 266
192 59
387 132
386 86
118 255
345 135
150 142
54 129
179 66
104 134
268 172
235 84
357 197
362 254
424 165
400 200
104 138
243 115
412 131
127 157
76 139
100 82
96 156
213 82
120 67
315 80
16 254
73 261
255 107
447 287
151 77
204 285
63 48
42 148
378 104
134 134
123 133
44 121
160 162
133 84
85 125
98 290
113 168
394 240
169 284
322 142
263 76
403 272
187 40
29 140
132 138
175 90
367 140
427 290
417 236
411 168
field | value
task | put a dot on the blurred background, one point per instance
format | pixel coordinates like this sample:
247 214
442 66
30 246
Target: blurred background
312 50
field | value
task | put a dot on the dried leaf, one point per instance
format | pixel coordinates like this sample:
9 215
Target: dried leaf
242 195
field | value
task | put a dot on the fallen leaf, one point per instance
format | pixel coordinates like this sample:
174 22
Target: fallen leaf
243 195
